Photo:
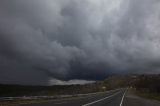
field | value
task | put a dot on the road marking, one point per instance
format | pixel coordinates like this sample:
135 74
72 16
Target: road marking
84 96
97 92
123 98
100 99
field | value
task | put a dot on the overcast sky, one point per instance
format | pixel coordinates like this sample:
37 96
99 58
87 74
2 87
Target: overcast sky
53 41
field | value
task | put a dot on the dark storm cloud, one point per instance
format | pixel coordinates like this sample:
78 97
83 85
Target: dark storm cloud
42 40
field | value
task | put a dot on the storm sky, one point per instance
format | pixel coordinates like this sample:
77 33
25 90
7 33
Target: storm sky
50 41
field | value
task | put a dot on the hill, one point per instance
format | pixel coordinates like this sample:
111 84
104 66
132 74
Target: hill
142 83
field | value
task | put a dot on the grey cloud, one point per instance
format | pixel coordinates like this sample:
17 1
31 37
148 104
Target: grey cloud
74 39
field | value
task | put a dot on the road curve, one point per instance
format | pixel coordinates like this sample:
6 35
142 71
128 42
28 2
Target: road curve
110 98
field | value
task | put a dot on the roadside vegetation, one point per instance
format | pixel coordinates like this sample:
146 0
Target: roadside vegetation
16 94
147 86
17 90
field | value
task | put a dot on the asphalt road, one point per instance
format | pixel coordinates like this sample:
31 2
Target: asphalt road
110 98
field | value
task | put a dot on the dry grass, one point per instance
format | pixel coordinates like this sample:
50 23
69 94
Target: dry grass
143 94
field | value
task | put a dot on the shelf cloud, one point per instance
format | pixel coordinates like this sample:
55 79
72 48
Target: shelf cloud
77 39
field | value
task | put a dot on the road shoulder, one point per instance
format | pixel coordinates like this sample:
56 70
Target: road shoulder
133 100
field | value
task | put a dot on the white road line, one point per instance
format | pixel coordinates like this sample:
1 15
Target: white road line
97 92
123 98
61 102
100 99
